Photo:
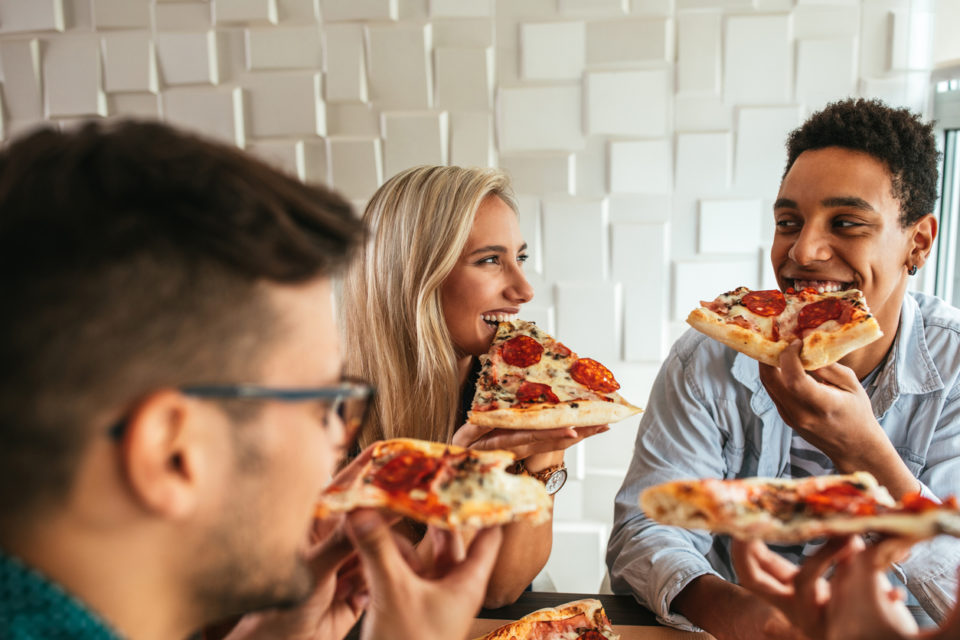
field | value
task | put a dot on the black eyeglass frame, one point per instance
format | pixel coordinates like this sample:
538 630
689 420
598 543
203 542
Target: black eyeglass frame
347 388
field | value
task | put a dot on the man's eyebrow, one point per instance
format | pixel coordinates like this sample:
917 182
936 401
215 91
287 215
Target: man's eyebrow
784 203
490 248
848 201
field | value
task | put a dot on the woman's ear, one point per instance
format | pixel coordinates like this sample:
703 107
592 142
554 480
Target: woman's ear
923 233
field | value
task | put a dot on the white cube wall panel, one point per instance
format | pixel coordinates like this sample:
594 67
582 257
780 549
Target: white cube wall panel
471 139
283 47
639 208
540 173
705 280
639 255
129 62
760 153
729 226
298 11
463 32
241 11
31 15
594 7
750 77
531 229
356 165
285 104
346 63
698 52
210 111
588 315
642 166
826 21
337 10
399 66
285 155
22 88
574 227
590 168
629 41
826 71
602 486
587 543
352 119
135 105
651 7
544 118
182 16
461 8
627 103
911 46
908 90
464 78
121 14
567 506
553 50
71 78
316 164
701 112
704 162
188 58
411 139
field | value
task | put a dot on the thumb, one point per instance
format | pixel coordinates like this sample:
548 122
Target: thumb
478 565
372 537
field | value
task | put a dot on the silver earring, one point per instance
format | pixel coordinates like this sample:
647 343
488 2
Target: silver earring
912 270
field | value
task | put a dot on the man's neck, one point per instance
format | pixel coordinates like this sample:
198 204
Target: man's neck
121 577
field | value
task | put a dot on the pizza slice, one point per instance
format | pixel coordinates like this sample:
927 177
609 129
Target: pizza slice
790 511
528 380
439 484
762 323
578 620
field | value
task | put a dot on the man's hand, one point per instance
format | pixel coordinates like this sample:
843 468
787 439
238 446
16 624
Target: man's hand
858 602
830 410
428 603
730 612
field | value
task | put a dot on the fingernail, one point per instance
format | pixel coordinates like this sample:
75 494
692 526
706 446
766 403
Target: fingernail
363 521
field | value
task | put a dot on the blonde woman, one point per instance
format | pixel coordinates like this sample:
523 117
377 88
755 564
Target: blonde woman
443 263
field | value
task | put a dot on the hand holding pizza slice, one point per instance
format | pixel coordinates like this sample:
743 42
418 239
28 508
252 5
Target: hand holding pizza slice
528 380
762 323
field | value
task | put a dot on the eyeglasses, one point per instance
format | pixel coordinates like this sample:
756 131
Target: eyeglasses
349 400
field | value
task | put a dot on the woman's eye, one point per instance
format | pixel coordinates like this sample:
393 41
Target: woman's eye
522 258
489 260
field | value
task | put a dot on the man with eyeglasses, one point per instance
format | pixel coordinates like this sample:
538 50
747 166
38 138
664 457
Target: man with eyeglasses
171 403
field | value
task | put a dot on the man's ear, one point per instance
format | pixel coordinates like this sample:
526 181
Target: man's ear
162 455
924 232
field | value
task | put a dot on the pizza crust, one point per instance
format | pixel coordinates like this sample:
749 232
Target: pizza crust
821 348
552 416
590 608
736 337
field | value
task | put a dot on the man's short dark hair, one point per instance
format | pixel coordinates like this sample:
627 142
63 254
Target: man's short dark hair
133 257
896 137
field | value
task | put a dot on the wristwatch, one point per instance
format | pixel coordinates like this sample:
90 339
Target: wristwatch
552 477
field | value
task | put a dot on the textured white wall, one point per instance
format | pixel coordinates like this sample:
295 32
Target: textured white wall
644 137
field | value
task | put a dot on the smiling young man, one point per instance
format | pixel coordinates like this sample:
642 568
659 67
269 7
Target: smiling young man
171 401
853 211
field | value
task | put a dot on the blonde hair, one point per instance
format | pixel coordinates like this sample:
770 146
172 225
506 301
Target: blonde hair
395 334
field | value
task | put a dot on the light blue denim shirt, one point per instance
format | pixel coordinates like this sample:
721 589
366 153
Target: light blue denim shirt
709 416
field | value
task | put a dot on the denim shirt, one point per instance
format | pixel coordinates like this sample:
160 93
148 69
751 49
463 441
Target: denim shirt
709 416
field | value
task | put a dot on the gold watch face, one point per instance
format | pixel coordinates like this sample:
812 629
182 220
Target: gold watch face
555 481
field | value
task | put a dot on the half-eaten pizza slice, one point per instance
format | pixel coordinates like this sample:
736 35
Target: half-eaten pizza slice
578 620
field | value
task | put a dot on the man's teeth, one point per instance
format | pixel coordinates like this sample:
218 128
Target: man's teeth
821 286
499 317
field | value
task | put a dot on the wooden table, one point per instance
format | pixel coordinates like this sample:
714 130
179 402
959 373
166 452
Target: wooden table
630 620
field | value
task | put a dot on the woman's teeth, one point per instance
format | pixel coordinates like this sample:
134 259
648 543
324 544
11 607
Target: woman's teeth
498 317
821 286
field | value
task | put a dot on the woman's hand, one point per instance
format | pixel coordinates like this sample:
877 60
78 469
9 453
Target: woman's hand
523 442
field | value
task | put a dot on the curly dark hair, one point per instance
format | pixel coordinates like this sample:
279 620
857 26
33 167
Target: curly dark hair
896 137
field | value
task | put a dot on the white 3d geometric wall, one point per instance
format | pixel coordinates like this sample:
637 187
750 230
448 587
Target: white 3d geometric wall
644 137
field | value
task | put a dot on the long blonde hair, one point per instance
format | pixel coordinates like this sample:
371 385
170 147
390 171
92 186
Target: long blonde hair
395 334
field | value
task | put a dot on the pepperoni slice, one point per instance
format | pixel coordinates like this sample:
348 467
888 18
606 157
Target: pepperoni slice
521 351
816 313
593 375
916 503
765 303
841 499
534 392
561 349
407 471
